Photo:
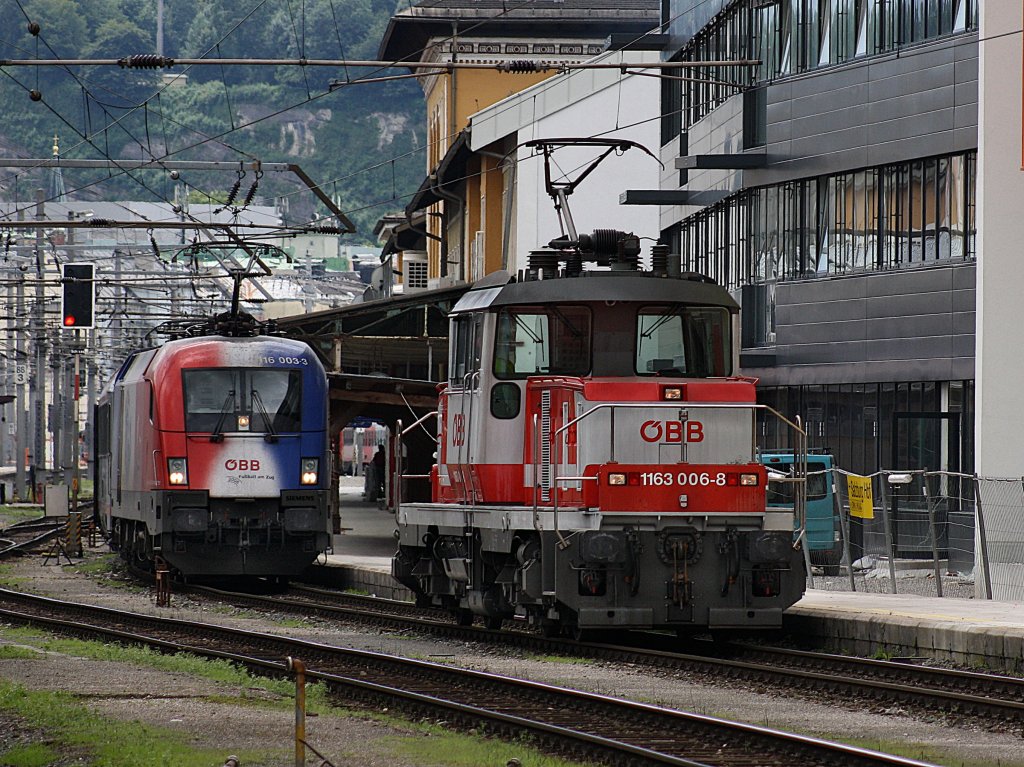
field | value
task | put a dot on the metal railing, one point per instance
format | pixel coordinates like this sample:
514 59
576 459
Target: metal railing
398 475
931 533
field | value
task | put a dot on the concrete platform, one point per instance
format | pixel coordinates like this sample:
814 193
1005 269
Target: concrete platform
966 632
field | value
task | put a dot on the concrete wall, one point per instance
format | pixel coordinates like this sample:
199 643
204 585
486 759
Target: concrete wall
1000 332
1000 234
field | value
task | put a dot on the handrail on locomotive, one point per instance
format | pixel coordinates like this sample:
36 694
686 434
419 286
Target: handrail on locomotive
798 433
798 436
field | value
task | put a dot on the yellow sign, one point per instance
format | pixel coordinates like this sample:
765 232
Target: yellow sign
858 489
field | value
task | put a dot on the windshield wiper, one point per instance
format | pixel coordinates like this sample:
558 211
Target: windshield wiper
576 332
673 312
227 407
528 330
257 400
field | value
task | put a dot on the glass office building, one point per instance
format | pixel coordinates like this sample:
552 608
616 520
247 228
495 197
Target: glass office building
822 165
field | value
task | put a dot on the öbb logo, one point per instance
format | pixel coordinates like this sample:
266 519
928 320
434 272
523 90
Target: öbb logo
242 464
672 431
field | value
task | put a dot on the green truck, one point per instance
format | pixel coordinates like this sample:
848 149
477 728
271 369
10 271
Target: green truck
824 540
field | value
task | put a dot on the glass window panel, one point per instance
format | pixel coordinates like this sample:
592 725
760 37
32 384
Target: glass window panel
275 403
683 341
942 191
209 394
915 204
929 198
955 183
861 48
960 16
533 341
826 194
216 398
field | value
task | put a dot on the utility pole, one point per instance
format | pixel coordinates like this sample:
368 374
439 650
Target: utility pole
39 336
20 381
159 27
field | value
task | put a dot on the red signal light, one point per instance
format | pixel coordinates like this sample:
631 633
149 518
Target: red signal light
69 320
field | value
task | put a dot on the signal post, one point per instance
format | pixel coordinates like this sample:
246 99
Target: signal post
78 304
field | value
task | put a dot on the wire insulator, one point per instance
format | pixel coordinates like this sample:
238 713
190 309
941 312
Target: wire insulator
251 193
523 66
233 194
99 222
34 28
156 249
324 230
145 61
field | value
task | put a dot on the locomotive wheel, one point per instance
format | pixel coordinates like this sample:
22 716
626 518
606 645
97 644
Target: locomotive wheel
584 635
550 630
494 622
464 617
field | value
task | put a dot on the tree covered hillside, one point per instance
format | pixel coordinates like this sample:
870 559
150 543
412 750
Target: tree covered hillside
362 142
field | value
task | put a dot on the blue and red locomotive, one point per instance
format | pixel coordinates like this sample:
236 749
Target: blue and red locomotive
212 453
597 460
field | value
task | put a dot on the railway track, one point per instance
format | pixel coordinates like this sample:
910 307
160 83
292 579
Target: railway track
27 536
570 722
988 698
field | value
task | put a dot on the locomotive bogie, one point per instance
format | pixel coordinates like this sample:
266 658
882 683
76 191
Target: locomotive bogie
630 572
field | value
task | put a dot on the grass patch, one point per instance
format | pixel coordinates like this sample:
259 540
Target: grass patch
108 570
14 652
7 578
77 729
10 515
566 659
32 755
291 623
219 671
918 751
441 748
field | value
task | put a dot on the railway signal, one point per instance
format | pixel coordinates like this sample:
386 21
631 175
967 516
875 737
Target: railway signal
79 296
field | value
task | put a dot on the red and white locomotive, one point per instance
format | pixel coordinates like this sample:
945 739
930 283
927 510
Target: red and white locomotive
597 463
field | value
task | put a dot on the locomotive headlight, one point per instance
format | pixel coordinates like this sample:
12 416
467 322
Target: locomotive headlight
671 392
177 471
617 479
748 480
310 470
243 423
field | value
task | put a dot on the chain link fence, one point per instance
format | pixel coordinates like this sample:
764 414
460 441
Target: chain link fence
927 533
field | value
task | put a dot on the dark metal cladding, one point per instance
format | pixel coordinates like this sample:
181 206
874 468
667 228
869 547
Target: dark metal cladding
607 286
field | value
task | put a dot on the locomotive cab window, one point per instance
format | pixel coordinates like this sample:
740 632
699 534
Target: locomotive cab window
242 400
466 344
683 341
548 340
